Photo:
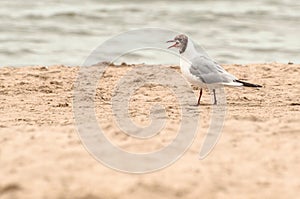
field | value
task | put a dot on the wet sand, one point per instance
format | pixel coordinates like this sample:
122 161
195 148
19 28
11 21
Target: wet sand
257 156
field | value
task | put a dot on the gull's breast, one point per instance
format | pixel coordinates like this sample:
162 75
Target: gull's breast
185 70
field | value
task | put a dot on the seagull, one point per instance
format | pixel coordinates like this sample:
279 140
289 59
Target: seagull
202 71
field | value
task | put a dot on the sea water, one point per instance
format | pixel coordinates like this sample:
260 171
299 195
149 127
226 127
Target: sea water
51 32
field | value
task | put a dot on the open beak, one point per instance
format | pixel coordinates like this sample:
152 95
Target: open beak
174 45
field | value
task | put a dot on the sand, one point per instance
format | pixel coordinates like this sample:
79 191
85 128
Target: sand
257 156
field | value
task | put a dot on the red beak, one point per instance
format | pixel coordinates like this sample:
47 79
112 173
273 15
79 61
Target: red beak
174 45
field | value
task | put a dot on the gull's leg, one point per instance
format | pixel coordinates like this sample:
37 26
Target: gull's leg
200 94
215 98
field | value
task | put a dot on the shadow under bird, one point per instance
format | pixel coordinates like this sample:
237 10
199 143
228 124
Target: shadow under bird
201 70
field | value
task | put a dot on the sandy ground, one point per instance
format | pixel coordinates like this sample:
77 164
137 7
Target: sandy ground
257 156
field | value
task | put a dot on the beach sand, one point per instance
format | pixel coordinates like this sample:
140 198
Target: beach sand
257 155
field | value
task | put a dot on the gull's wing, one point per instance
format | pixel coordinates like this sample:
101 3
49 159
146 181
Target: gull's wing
211 72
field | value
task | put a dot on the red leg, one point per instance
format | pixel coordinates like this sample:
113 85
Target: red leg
200 94
215 97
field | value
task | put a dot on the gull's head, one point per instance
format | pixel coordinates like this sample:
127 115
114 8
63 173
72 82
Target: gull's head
180 42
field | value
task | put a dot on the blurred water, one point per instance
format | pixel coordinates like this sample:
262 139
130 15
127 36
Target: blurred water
65 32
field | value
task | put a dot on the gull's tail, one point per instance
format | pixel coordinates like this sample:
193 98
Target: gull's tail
248 84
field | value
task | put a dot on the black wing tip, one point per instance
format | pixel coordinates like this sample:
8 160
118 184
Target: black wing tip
249 84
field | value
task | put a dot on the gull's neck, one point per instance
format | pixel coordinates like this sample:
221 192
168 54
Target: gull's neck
190 51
